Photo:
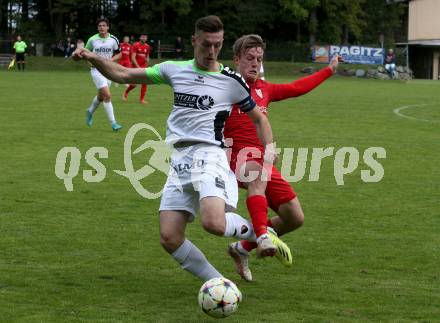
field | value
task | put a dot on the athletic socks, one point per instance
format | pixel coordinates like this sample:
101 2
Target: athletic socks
257 206
238 227
194 261
132 86
143 91
248 245
128 89
94 105
108 106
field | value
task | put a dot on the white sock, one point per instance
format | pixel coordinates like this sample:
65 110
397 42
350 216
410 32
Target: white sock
94 105
108 106
193 260
238 227
240 249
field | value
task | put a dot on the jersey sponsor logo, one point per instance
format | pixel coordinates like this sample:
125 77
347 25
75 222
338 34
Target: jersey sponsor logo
181 168
185 100
103 50
204 102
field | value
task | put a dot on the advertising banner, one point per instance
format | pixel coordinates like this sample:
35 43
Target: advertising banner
350 54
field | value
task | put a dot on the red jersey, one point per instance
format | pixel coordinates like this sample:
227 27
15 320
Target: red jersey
125 54
142 51
239 126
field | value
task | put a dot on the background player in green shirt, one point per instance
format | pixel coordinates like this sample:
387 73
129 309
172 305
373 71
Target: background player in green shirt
20 50
106 46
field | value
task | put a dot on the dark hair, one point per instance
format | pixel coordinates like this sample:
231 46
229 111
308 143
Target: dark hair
209 24
102 20
246 42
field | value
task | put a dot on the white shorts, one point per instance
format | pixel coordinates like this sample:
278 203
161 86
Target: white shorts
196 172
99 79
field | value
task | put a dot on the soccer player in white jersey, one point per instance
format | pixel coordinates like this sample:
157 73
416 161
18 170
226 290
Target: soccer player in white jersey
200 177
105 45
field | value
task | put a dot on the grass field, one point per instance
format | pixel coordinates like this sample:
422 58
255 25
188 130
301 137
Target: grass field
367 252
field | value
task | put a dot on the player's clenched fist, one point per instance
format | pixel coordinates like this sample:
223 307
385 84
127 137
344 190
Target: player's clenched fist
80 53
334 62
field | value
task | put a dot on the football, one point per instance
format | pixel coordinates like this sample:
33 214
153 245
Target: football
219 297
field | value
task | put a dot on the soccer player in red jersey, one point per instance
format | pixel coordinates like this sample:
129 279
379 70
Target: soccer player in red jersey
140 57
123 57
124 54
275 193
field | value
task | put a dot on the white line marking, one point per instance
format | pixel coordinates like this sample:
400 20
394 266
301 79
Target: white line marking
397 111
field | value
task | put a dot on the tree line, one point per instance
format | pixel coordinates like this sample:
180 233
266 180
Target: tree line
298 21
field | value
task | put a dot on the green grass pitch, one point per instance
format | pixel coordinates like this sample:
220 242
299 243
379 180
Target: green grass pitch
367 251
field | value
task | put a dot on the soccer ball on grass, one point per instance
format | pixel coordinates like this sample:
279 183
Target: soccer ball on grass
219 297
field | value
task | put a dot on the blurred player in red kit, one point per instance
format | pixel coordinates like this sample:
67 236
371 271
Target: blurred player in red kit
140 57
124 58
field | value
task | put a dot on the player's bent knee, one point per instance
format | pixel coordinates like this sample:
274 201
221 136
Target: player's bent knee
299 219
213 225
170 242
212 215
292 214
256 187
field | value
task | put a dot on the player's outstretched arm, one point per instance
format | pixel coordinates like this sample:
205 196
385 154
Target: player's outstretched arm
111 70
303 85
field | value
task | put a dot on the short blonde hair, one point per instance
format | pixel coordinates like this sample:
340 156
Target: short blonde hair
246 42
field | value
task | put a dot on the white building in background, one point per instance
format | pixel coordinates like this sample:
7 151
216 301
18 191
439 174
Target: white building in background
424 38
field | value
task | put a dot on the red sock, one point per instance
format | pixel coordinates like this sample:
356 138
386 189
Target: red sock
248 246
143 91
257 206
130 87
269 223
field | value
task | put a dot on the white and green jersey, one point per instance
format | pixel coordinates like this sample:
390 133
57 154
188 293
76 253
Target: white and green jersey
104 47
202 100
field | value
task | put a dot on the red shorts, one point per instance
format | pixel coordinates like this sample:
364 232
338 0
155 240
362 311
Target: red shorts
125 63
278 190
